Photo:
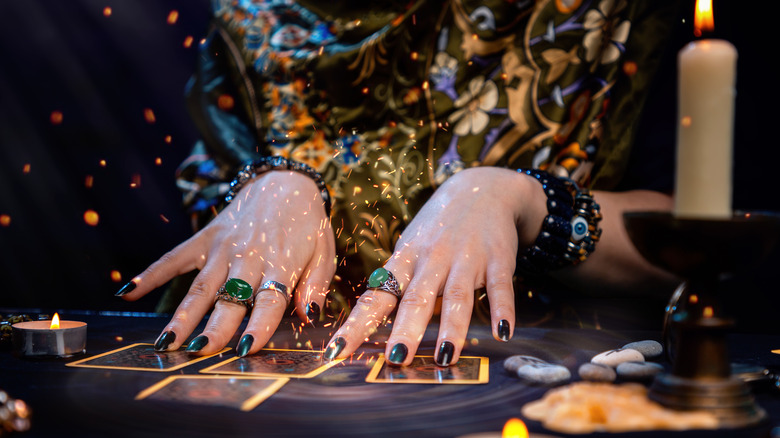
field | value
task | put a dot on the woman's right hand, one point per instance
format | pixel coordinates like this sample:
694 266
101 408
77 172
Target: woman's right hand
274 230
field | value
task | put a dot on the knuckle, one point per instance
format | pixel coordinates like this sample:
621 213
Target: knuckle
458 292
201 291
270 300
415 299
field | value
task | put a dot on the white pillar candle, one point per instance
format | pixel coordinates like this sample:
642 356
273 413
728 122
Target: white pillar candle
707 74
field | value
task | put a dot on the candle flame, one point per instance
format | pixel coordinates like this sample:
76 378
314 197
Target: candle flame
703 19
514 428
55 322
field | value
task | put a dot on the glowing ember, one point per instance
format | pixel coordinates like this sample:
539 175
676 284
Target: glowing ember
107 11
91 217
102 163
149 115
158 161
56 117
188 42
5 220
55 322
703 20
88 181
116 276
515 428
173 16
26 168
135 182
708 312
168 139
225 102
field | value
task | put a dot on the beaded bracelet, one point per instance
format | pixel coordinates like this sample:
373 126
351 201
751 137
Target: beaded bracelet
570 229
266 164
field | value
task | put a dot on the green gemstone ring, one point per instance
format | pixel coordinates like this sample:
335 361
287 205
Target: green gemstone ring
236 291
384 280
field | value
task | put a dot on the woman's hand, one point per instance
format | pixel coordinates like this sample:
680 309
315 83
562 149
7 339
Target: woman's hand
465 237
274 230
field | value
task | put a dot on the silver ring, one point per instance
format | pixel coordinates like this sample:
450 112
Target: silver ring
384 280
276 287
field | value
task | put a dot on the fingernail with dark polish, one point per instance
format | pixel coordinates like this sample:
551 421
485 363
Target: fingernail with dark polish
164 341
398 354
446 349
244 345
197 344
335 348
503 330
126 289
313 311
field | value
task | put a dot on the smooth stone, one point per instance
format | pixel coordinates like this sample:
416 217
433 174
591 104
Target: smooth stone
238 288
649 349
513 363
544 373
379 276
613 358
597 373
638 370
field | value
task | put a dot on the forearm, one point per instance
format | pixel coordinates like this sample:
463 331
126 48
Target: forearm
616 266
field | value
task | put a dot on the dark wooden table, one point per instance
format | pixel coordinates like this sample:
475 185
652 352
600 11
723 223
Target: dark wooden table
100 403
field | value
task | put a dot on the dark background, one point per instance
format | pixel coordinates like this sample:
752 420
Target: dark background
102 73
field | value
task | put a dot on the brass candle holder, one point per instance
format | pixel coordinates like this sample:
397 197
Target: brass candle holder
703 252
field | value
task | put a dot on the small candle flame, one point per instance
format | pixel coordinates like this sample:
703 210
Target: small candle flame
55 322
514 428
703 19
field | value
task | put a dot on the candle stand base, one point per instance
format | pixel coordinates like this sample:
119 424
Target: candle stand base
703 251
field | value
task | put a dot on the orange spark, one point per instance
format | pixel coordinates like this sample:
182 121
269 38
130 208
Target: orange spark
188 42
168 139
56 117
107 11
173 16
116 276
149 115
26 168
91 217
88 181
5 220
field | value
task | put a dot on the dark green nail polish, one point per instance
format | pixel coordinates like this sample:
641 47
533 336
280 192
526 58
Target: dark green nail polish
197 344
446 350
398 354
164 341
335 348
503 330
313 311
244 345
126 289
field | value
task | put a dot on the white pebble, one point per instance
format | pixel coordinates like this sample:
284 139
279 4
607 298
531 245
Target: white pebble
544 373
613 358
513 363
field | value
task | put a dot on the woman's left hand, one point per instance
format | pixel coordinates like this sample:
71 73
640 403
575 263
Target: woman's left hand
465 238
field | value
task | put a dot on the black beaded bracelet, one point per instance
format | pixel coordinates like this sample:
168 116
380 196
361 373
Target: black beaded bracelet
266 164
570 229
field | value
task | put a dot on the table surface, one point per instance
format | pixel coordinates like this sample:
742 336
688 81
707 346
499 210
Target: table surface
338 402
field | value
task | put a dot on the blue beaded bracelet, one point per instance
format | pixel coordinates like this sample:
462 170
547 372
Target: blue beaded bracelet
570 229
265 164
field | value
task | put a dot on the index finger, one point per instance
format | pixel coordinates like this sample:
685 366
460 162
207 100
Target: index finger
184 258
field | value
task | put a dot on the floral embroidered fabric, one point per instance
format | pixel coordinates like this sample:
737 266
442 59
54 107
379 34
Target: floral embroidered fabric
387 99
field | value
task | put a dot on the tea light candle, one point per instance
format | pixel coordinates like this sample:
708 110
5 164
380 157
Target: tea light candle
707 74
49 338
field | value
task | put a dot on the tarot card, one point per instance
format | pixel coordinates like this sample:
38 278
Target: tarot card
243 393
141 357
468 371
270 362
